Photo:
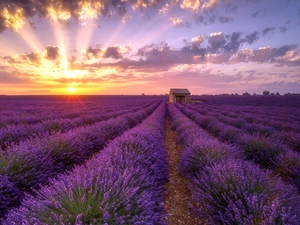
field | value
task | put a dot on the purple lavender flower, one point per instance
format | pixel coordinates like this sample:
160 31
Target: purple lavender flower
10 196
263 151
238 192
288 167
203 153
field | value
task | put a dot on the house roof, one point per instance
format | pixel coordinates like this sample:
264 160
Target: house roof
179 91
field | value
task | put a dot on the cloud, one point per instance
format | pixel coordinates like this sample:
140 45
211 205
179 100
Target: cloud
164 9
93 53
197 40
177 21
256 14
33 58
192 4
13 77
209 5
281 51
243 55
291 58
211 19
261 54
52 52
224 19
268 31
216 41
251 38
13 13
234 43
286 26
199 18
116 52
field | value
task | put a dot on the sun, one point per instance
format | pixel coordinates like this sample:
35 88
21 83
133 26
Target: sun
71 89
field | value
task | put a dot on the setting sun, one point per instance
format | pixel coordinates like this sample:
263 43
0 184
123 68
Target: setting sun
71 89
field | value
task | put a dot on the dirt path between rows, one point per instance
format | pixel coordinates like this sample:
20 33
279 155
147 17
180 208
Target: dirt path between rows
178 197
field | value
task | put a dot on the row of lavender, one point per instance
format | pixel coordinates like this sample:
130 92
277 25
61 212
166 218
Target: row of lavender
30 111
19 132
276 150
123 184
231 129
285 101
283 120
226 188
32 162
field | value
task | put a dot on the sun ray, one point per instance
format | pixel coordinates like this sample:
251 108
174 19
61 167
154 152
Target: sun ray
60 37
115 35
84 34
143 38
29 36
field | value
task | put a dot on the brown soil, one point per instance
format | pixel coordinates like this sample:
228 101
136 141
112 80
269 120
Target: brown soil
178 198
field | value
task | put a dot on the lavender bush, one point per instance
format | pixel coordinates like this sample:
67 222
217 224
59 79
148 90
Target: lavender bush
202 153
263 151
32 162
288 167
10 195
121 185
238 192
292 139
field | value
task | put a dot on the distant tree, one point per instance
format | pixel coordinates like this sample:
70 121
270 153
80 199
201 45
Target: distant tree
266 93
254 93
277 93
246 93
272 93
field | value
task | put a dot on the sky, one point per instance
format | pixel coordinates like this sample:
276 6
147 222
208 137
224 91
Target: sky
92 47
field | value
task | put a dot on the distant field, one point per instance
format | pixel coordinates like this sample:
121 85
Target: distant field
103 159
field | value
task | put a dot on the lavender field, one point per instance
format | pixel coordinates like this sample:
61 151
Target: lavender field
104 159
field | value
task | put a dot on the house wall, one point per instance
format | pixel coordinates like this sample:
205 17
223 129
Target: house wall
172 97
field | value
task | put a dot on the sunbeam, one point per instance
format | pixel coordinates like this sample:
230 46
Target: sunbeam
28 34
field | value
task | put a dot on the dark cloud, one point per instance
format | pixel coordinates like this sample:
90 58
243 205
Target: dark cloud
251 38
163 53
231 9
33 58
52 52
91 53
113 52
212 19
194 50
286 26
268 31
256 14
199 18
224 19
216 41
281 51
234 43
